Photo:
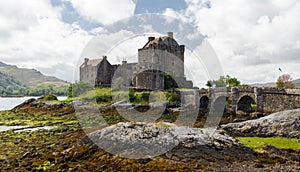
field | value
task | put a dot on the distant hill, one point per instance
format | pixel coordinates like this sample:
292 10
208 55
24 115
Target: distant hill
9 85
297 83
29 77
35 82
273 84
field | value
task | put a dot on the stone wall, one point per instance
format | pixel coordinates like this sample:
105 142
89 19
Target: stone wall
88 74
150 80
279 102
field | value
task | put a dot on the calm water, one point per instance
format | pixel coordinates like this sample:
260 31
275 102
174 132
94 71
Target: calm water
7 103
25 128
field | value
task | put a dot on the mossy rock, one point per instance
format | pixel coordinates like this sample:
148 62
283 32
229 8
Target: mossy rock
48 97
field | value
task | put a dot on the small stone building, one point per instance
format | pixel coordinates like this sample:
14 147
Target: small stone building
98 72
156 58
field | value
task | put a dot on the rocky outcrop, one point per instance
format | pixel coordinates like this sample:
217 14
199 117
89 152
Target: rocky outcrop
146 140
43 106
284 124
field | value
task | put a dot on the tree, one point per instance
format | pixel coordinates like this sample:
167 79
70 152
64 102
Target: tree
224 81
232 82
285 81
209 84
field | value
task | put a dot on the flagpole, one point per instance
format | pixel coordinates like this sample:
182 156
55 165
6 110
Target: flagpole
280 71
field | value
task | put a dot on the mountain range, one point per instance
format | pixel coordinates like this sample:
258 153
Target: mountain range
23 81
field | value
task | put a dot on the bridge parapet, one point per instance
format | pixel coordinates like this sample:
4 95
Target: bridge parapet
293 91
273 90
245 89
203 91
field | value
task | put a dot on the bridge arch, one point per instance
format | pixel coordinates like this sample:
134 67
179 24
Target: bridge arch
204 102
245 104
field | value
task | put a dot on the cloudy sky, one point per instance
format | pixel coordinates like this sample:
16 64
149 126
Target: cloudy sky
251 38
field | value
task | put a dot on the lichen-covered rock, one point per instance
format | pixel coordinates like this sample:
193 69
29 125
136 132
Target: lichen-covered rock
283 124
42 106
146 140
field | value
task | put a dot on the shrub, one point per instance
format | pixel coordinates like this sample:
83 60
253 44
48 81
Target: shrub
173 96
142 97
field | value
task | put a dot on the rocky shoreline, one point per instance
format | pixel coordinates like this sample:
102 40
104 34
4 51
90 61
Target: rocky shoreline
69 148
283 124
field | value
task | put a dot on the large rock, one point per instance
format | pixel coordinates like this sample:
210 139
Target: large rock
146 140
283 124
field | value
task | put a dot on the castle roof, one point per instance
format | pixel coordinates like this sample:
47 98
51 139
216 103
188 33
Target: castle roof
94 62
165 40
91 62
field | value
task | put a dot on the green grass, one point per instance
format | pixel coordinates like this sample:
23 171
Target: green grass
104 96
258 143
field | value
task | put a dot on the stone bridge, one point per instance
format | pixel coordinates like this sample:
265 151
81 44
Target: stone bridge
250 99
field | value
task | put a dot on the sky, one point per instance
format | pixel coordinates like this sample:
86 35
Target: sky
247 39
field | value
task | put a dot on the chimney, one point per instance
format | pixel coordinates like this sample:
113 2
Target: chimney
104 57
151 38
124 62
170 35
86 60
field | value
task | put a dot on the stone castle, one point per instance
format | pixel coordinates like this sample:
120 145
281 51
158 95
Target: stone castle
158 57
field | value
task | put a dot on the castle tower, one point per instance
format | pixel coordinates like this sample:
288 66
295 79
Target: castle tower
160 55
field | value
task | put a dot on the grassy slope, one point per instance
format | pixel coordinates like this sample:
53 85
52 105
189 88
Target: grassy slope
29 77
6 80
258 143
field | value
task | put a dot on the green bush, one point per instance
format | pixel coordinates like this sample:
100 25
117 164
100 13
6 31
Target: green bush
142 97
105 95
173 96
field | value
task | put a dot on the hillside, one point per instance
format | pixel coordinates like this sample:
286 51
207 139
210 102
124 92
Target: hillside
297 83
9 85
29 77
32 80
273 84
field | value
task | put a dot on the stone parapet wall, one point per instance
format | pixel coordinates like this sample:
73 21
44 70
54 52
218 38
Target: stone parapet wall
280 102
245 89
293 91
274 90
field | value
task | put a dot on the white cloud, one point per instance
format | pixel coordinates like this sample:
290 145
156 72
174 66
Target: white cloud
254 36
21 15
37 38
104 11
